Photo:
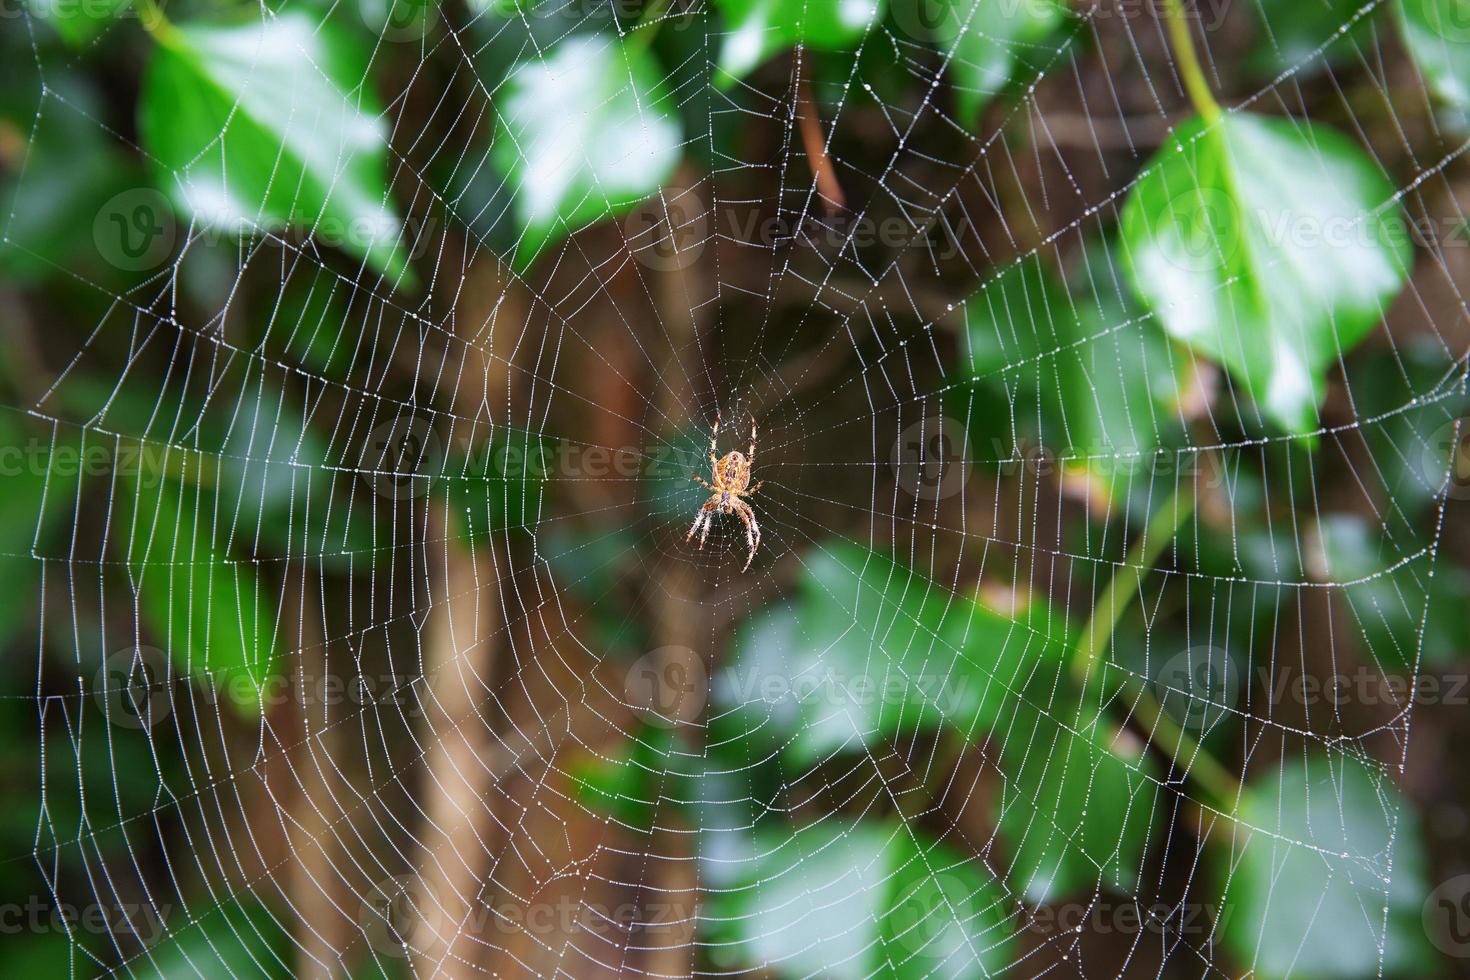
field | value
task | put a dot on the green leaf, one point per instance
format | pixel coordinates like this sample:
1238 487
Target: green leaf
56 206
629 785
39 480
875 650
757 29
1015 319
281 494
1120 383
989 43
1390 598
1076 808
238 938
1309 879
863 900
1086 376
1407 399
263 125
584 133
1437 34
216 618
1270 246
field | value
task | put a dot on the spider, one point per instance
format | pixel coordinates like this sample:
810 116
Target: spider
731 474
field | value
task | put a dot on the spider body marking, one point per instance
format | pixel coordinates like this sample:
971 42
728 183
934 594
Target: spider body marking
731 484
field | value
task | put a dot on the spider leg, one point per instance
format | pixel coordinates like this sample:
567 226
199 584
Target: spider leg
758 485
751 455
704 517
699 479
713 438
709 519
752 530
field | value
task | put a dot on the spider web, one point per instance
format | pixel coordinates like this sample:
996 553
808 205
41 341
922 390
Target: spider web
479 589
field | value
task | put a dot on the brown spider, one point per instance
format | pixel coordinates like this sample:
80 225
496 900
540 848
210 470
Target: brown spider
731 474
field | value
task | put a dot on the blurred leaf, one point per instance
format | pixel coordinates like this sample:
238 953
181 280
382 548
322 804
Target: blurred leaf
261 125
78 21
583 133
630 785
1305 887
757 29
875 651
1259 243
1388 603
859 900
66 174
1015 319
1437 34
1075 809
990 43
596 567
237 938
1121 381
1084 376
281 493
310 323
1291 31
497 487
39 478
1407 399
214 616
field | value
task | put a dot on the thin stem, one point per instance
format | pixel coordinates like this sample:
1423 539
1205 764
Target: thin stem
1190 70
1117 597
809 120
1097 636
157 24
